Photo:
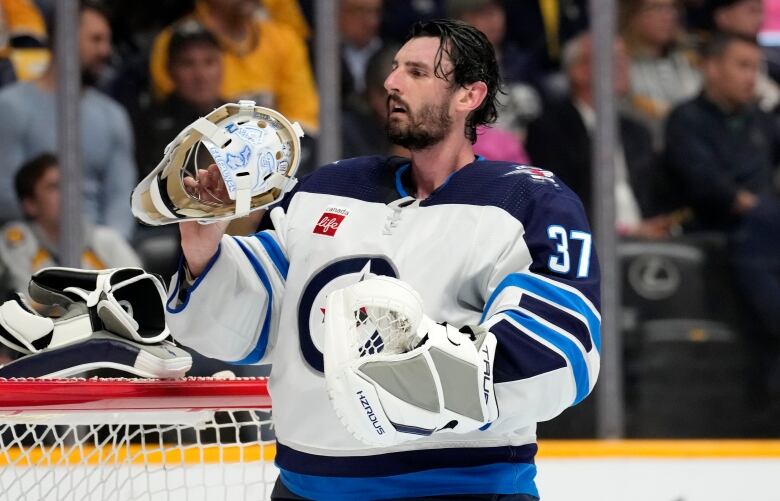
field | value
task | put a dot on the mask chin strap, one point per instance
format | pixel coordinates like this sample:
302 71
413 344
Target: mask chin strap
243 193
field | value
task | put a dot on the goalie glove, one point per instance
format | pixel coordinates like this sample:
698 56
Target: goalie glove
126 301
395 375
114 319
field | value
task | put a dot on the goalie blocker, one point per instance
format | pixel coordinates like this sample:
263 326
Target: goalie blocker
395 375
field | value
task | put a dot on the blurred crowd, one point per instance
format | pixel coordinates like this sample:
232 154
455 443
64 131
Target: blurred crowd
698 131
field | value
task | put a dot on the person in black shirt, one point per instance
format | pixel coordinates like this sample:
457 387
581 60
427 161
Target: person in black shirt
724 151
195 66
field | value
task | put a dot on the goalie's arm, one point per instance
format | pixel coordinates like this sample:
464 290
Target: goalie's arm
542 304
229 309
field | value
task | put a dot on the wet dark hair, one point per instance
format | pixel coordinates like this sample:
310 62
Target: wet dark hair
473 60
30 173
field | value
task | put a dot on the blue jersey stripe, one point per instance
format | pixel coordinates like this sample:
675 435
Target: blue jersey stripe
399 463
258 351
567 346
399 185
520 356
559 318
190 289
499 478
553 294
274 252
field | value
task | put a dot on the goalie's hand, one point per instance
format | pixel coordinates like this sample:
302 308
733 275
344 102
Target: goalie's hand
395 375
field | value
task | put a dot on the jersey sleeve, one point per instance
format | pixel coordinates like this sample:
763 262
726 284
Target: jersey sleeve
231 311
545 314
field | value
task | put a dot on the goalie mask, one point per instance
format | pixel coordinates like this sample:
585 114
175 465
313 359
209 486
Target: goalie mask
256 151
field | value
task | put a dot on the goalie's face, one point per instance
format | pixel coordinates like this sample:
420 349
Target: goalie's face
419 102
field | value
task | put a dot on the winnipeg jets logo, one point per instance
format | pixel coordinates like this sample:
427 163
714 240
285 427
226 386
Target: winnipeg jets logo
311 309
535 173
330 221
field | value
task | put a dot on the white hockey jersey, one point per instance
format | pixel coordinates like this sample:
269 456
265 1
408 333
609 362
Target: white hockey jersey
498 244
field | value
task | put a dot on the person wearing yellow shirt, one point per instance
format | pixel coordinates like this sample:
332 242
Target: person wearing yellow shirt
22 40
264 60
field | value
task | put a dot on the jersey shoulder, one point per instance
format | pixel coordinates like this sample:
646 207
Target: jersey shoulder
362 178
516 188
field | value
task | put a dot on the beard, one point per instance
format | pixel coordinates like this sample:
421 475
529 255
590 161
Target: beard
89 77
422 129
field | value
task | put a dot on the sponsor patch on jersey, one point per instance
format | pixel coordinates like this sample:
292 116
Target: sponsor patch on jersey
329 221
535 173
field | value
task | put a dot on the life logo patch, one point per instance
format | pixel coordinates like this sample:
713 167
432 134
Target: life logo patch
330 221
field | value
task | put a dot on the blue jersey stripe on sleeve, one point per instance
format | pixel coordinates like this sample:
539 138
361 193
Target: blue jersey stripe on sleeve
519 356
557 295
558 317
258 351
274 252
569 348
191 288
499 478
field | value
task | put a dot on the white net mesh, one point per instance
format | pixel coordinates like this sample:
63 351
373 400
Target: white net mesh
382 329
172 455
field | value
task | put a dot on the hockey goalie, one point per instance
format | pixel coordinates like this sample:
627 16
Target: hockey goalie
421 314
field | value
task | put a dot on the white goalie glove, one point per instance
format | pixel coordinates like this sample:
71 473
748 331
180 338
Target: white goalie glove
395 375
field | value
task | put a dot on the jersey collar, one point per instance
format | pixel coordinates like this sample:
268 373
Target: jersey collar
401 172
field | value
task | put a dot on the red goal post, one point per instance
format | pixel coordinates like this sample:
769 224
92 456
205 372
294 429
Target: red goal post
140 439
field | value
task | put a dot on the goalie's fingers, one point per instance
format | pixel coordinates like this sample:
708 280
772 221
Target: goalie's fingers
216 185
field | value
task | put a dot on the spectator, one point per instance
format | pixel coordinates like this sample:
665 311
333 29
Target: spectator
720 145
543 27
745 17
28 127
724 151
28 245
502 140
359 28
363 122
662 71
21 29
195 68
288 12
495 143
489 17
398 15
264 60
561 141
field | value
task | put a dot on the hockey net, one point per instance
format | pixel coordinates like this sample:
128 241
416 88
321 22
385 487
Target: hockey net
121 439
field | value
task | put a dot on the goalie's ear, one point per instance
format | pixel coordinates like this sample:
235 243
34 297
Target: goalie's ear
471 96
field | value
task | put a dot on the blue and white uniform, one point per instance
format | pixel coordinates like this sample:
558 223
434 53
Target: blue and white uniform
498 244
